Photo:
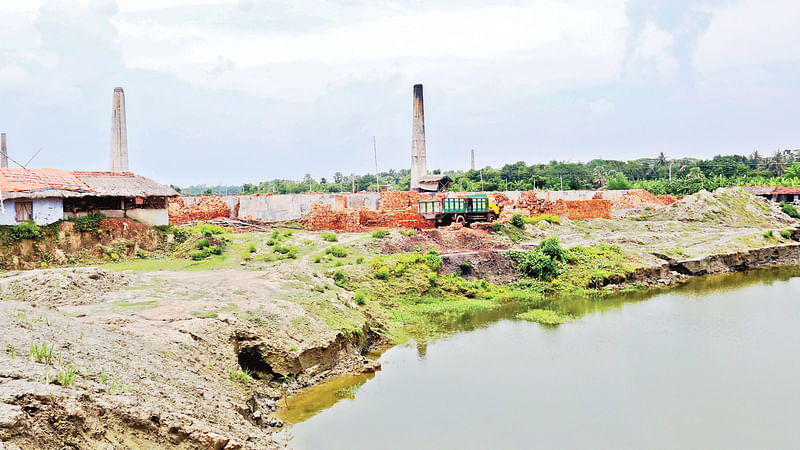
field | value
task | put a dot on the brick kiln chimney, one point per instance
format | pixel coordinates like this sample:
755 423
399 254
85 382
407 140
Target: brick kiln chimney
3 151
119 133
419 164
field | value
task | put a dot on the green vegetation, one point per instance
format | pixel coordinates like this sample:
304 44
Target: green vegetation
90 222
240 375
67 375
336 251
543 317
360 298
768 234
518 220
380 234
251 247
329 237
786 234
25 230
41 353
790 210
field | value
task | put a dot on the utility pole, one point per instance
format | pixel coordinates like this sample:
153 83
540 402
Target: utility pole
562 181
481 180
377 181
670 171
354 182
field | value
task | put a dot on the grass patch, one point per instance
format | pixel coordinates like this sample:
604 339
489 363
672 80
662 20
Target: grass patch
240 375
543 317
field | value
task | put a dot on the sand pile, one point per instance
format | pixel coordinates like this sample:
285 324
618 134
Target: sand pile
637 198
733 207
58 287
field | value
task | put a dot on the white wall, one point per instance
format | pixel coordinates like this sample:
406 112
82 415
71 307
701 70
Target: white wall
150 217
45 211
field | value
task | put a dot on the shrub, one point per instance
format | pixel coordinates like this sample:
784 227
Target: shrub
433 259
536 263
198 255
518 220
215 250
382 273
114 257
360 298
25 230
466 266
141 254
552 248
292 253
786 234
432 278
318 259
790 210
208 229
380 234
360 260
89 222
336 251
330 237
339 277
285 250
768 234
202 243
496 226
251 247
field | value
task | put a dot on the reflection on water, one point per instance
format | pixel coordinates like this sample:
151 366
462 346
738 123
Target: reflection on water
715 356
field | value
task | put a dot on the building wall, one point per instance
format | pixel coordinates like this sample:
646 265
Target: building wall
150 217
45 211
291 206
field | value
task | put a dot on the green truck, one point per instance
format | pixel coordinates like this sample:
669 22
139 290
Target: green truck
464 210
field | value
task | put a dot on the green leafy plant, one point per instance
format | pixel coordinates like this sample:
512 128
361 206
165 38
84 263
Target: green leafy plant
89 222
202 243
240 375
790 210
67 375
25 230
380 234
433 259
330 237
336 251
382 273
40 353
360 298
251 247
786 234
518 220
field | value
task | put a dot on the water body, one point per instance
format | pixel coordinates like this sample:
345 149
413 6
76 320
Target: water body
713 364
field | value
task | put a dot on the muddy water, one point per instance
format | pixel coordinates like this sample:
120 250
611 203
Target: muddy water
711 364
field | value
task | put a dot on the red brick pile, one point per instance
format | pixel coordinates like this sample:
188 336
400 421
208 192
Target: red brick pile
323 217
667 199
205 208
637 198
582 209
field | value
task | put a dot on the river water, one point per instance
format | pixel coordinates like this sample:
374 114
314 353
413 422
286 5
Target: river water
712 364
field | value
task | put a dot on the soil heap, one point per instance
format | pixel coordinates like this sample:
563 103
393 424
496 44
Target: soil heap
725 206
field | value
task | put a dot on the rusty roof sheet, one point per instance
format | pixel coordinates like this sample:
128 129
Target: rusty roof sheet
758 190
45 183
786 190
25 180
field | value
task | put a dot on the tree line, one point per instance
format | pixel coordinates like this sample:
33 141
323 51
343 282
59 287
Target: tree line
659 175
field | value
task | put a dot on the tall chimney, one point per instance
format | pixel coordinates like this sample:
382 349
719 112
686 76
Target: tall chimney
419 164
3 151
119 133
472 165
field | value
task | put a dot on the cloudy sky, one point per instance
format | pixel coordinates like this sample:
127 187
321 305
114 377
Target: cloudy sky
230 91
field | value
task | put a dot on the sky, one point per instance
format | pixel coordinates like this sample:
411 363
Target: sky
233 91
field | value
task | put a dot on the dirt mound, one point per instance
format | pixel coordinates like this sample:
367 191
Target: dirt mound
119 224
58 287
637 198
726 206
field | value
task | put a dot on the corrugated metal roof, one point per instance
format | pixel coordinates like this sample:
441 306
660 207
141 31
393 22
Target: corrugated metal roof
781 190
758 190
49 183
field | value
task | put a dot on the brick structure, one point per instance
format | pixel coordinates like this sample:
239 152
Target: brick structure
205 208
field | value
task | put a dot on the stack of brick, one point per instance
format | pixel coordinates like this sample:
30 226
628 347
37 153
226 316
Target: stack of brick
323 217
204 208
667 199
392 201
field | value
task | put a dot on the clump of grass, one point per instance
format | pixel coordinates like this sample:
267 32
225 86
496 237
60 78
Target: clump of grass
768 234
67 375
141 254
790 210
336 251
360 260
240 375
202 243
380 234
330 237
549 218
543 316
360 298
40 353
251 247
408 232
433 259
518 220
382 273
786 234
